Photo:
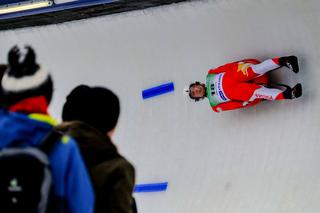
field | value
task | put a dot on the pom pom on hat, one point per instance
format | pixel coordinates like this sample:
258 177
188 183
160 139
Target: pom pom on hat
24 78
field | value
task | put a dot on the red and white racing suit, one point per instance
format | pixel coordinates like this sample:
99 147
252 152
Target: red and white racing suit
238 84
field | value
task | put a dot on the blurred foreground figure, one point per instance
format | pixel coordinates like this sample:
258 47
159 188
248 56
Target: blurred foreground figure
90 115
41 170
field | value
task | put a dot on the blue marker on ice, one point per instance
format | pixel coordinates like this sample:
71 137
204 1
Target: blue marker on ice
158 90
151 187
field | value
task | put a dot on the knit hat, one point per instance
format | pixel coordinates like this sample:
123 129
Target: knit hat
96 106
24 78
3 68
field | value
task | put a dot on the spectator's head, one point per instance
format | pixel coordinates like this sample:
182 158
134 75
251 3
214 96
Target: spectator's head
96 106
24 78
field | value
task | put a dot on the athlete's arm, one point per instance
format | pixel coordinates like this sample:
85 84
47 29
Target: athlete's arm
230 105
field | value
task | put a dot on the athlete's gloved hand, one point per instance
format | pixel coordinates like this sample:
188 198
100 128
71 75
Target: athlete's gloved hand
217 109
245 103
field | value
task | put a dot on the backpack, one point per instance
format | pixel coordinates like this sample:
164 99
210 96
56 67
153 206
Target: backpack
25 178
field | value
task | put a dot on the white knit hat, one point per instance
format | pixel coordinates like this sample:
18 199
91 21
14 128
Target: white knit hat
25 78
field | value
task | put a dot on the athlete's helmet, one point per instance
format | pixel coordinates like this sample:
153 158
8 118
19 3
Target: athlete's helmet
187 90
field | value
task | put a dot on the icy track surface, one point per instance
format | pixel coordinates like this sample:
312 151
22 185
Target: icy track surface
259 160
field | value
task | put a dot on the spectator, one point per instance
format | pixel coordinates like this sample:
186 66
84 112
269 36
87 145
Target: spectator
90 115
3 68
26 93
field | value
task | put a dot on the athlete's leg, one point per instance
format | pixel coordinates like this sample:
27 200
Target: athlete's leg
289 61
265 66
244 72
265 93
250 92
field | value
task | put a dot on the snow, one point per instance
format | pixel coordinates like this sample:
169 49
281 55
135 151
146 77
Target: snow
263 159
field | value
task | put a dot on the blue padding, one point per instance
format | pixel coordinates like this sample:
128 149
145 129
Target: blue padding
151 187
158 90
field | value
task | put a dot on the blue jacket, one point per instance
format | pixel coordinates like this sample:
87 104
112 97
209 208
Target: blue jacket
70 179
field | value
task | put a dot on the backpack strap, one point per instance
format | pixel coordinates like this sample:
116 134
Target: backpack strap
50 140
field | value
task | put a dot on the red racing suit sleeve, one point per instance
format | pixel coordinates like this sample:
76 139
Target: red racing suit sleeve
230 105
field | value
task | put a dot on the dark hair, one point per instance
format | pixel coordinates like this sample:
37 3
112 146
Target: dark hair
197 83
96 106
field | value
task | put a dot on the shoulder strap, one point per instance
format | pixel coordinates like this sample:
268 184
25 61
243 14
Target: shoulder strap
50 140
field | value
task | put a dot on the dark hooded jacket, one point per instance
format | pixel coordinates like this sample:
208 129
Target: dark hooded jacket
113 177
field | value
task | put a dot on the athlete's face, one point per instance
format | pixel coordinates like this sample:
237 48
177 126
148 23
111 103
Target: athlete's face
197 91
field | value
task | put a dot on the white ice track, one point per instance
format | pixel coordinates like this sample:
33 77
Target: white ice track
259 160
